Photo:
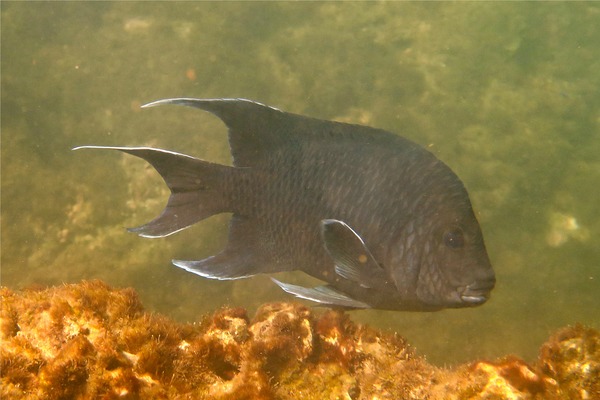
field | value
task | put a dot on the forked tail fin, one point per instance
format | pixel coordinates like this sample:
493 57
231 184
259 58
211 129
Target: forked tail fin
197 189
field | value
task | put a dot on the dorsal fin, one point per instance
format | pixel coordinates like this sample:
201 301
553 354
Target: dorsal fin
257 130
254 129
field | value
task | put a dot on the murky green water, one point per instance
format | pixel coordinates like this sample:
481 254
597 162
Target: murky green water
505 93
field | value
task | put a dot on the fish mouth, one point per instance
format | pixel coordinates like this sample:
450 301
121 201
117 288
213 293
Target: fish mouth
476 293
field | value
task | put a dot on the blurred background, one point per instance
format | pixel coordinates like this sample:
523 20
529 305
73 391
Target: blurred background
505 93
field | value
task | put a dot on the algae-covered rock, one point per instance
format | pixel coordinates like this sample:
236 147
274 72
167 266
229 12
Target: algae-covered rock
571 357
87 340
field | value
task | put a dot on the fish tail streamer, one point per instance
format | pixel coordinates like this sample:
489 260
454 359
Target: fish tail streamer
197 189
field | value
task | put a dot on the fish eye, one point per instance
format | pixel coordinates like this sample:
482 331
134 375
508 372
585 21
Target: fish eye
454 238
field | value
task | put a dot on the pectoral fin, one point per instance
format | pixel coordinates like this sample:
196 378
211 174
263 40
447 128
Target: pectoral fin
353 260
322 294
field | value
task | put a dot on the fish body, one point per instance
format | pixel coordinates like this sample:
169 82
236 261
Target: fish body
384 222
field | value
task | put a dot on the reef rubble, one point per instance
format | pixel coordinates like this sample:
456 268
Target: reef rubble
87 340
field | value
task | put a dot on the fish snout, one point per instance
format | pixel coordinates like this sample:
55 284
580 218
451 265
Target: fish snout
477 293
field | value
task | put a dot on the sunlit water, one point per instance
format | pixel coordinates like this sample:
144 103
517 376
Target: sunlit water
504 93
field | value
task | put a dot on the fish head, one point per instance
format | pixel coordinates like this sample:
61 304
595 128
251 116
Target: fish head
456 271
442 253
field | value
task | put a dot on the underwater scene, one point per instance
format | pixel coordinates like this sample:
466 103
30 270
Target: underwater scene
505 94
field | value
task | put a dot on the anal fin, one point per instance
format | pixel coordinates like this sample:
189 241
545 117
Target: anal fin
242 257
223 266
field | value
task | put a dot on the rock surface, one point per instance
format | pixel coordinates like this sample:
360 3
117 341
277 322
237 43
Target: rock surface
87 340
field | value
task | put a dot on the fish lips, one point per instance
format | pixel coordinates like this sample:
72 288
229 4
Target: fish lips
476 293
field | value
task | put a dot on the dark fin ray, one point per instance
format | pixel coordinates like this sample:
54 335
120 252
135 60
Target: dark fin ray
241 258
254 128
353 260
195 187
325 295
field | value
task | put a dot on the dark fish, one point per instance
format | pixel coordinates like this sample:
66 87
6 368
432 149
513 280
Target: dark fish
380 219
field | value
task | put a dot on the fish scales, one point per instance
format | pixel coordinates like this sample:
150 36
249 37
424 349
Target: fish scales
377 217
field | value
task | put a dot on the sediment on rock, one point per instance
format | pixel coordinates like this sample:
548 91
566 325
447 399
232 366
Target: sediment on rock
87 340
